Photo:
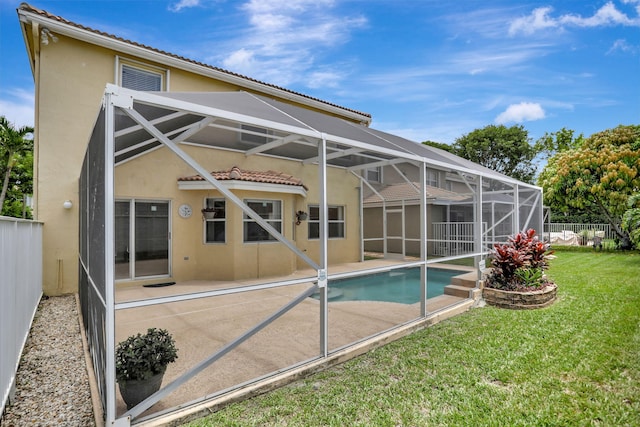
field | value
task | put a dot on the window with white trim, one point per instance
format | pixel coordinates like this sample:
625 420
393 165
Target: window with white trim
255 134
335 219
270 211
433 178
139 78
374 174
215 220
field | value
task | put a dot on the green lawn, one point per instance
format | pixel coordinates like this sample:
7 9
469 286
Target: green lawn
575 363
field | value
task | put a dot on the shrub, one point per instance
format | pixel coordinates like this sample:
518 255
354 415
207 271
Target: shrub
519 264
142 356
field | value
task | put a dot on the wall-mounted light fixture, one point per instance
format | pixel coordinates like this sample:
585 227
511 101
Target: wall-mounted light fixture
300 216
45 35
67 204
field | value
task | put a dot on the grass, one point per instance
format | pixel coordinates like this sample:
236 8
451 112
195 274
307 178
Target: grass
575 363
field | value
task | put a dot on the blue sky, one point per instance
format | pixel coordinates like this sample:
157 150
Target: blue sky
425 69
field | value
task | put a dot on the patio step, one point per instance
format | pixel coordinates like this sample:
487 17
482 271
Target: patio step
467 280
457 291
463 286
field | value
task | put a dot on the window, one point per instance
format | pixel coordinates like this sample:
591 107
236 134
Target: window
140 79
254 134
271 211
336 222
374 174
433 178
215 221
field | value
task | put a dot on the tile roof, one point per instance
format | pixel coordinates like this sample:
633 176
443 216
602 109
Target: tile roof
406 191
237 174
29 8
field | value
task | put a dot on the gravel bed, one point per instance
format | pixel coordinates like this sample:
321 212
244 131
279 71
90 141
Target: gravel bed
52 385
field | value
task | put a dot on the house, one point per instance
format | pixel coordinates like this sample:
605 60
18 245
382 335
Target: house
160 170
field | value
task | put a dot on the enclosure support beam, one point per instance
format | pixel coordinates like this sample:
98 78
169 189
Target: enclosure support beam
423 240
516 210
323 234
478 231
109 207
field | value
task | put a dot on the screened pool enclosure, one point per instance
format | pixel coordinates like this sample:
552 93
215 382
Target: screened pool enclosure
331 200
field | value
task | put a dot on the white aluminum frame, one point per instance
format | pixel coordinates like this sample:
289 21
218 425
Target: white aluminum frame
122 100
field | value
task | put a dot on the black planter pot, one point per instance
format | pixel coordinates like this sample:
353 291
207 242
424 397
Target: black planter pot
135 391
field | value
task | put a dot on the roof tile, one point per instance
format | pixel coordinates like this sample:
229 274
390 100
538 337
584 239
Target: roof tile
237 174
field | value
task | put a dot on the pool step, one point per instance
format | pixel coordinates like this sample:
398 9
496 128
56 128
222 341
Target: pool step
463 286
468 280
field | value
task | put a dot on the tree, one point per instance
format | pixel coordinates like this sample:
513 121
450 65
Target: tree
598 175
556 142
14 146
505 150
440 145
631 219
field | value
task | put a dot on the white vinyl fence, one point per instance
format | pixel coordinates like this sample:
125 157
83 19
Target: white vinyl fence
20 292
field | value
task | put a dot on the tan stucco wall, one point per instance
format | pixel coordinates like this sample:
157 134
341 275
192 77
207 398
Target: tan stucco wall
70 80
71 84
154 177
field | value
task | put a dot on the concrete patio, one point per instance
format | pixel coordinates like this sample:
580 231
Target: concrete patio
276 354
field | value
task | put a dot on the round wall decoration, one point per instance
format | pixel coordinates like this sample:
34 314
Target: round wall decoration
185 210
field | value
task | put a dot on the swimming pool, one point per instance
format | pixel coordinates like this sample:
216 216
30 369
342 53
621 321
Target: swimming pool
401 286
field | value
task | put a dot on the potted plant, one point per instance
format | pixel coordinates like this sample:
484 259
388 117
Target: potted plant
517 278
141 361
208 213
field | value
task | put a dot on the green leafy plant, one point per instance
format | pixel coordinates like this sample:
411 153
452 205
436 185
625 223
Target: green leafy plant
631 219
529 276
519 264
140 357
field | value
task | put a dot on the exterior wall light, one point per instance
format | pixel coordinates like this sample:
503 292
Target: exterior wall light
300 216
67 204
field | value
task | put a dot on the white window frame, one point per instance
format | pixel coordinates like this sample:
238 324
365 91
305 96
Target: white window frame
377 172
132 216
433 178
255 134
275 222
316 220
163 73
208 203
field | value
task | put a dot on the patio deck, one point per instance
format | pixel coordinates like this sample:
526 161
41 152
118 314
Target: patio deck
203 326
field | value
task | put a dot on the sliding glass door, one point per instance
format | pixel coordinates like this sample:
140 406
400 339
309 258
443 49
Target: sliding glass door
142 239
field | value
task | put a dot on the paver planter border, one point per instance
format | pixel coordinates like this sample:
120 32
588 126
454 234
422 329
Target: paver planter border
521 300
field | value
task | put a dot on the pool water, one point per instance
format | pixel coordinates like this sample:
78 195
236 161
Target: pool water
401 286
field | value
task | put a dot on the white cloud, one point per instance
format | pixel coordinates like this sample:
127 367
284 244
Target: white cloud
538 20
182 4
606 15
541 19
623 46
522 112
240 60
284 40
320 79
18 107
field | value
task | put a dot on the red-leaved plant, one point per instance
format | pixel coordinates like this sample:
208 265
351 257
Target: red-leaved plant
519 264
